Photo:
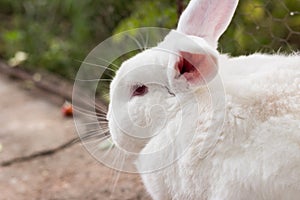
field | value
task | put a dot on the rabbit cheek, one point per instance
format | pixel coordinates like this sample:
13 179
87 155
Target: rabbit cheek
124 136
138 115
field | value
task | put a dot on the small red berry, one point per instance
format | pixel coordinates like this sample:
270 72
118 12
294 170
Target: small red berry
67 109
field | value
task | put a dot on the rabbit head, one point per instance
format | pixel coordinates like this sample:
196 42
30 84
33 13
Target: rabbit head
144 91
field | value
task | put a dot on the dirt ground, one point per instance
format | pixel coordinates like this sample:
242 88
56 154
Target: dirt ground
31 122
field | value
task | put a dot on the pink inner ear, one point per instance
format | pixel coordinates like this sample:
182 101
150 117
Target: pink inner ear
197 68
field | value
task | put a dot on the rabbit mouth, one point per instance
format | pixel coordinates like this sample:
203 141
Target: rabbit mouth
170 92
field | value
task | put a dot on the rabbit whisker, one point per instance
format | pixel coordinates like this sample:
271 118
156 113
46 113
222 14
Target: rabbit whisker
109 150
85 112
88 123
94 140
89 112
140 47
103 118
144 42
97 79
108 62
118 172
104 154
97 65
93 104
95 131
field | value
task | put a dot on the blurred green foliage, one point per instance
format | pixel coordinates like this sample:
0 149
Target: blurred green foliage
258 25
150 13
57 34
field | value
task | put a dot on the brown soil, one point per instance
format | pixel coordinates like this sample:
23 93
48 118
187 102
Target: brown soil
31 122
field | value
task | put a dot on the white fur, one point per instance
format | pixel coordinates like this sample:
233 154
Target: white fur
256 154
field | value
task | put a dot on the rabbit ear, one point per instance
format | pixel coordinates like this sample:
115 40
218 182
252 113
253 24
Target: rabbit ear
196 68
207 18
192 61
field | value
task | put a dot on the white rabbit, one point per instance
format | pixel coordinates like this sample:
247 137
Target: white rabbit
167 102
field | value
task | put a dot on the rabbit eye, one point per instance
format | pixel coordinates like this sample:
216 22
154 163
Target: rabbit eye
139 90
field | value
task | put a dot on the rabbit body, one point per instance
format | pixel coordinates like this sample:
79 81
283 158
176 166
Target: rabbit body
240 140
257 154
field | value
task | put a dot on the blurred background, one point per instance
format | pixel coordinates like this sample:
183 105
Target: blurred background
57 34
42 45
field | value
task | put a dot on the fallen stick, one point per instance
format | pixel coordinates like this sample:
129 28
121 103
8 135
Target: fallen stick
48 86
40 153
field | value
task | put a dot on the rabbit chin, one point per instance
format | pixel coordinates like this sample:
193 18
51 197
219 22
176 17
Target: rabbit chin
124 140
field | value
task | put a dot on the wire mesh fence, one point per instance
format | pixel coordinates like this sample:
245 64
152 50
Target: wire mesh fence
266 26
